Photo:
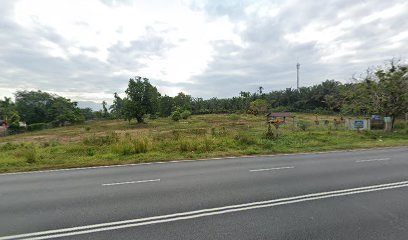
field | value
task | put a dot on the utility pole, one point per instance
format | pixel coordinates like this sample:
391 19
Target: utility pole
297 75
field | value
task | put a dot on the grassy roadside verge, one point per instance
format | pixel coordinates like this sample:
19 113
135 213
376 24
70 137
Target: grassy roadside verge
206 136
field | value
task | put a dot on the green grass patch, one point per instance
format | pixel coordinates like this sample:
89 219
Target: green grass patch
205 136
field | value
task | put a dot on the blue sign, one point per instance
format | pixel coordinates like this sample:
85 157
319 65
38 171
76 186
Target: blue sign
359 124
376 117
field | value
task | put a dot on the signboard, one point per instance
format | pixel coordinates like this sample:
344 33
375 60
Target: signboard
375 117
387 119
359 124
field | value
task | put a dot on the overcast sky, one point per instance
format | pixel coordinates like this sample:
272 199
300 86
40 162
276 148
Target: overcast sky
88 49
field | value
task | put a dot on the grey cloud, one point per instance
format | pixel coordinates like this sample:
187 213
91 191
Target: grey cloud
269 59
25 63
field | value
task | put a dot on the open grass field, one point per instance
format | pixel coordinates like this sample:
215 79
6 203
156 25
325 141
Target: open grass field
202 136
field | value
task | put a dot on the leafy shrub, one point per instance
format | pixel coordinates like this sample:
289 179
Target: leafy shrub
185 114
154 116
37 126
9 146
371 134
87 128
207 144
259 106
187 145
303 125
122 148
176 116
30 154
140 145
245 139
400 125
130 146
90 152
218 132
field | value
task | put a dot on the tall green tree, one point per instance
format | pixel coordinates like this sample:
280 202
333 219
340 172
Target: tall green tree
105 112
182 101
166 106
42 107
142 98
259 106
117 107
9 113
382 91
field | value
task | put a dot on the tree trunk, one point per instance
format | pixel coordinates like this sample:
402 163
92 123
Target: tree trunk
139 119
392 121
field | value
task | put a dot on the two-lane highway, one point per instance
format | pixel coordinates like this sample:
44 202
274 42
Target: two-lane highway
337 195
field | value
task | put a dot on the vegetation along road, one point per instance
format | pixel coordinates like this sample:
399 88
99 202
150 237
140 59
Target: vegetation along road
110 142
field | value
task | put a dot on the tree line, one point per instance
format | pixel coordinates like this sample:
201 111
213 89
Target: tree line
382 90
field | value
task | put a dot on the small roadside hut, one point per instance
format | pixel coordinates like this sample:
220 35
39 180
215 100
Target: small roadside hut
279 117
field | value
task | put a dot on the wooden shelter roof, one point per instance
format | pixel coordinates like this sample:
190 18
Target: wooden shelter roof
280 114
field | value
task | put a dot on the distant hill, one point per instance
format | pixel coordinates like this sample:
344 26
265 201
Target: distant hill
90 104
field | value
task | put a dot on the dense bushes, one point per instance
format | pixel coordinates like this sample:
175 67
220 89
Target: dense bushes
175 116
38 126
130 146
185 114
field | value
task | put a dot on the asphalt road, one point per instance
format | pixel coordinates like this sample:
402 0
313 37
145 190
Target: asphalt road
339 195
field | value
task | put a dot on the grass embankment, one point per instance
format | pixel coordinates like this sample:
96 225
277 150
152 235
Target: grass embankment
117 142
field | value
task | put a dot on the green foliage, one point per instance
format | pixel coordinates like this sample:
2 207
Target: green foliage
166 106
176 116
87 113
130 146
401 125
9 146
142 98
245 139
259 106
29 153
38 126
205 136
105 112
182 102
303 125
42 107
9 114
117 108
185 114
187 145
90 151
382 91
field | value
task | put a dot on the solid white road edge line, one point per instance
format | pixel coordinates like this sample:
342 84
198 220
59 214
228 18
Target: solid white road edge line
208 159
203 212
121 183
270 169
372 160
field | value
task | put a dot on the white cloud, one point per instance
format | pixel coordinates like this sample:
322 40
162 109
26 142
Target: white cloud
387 13
86 50
92 23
